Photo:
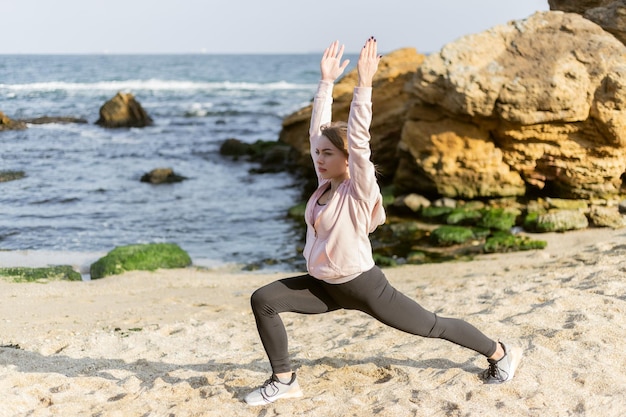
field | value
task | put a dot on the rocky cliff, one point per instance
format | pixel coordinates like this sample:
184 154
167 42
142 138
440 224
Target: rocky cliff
533 106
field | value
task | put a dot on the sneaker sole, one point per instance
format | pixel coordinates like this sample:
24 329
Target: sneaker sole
286 396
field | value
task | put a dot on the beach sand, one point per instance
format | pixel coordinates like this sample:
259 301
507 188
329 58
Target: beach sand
184 343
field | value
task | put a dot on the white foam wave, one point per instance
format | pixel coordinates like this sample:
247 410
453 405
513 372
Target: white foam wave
154 85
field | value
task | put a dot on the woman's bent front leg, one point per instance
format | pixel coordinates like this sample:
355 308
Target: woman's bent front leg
303 294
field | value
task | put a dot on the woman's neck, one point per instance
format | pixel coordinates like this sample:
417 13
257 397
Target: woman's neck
336 182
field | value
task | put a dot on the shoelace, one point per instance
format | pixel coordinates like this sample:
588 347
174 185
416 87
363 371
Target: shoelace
267 384
494 371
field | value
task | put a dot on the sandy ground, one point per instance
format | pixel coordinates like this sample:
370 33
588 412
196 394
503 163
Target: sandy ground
184 342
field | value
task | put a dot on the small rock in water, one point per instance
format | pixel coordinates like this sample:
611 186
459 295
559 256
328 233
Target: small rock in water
162 176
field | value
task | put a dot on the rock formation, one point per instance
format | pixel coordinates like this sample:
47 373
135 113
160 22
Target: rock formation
123 111
54 119
7 124
6 176
535 104
162 176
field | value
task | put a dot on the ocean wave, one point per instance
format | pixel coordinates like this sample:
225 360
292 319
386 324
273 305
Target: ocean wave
197 112
154 85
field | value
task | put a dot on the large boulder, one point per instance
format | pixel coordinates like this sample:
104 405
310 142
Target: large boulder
389 101
123 111
534 104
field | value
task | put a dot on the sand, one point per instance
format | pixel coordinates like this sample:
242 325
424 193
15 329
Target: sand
184 343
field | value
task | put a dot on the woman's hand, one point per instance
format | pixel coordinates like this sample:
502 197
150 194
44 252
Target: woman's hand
331 65
368 63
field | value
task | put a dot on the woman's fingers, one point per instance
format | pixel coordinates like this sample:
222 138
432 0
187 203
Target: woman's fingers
371 47
368 62
331 49
336 51
340 53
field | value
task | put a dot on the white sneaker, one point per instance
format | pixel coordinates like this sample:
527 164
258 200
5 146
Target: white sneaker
503 370
273 390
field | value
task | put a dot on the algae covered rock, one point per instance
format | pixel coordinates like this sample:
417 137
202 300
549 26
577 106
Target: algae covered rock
561 221
451 235
143 257
45 274
506 242
498 219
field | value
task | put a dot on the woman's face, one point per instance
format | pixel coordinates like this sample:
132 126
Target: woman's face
331 162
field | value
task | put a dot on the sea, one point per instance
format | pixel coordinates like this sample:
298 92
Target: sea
82 195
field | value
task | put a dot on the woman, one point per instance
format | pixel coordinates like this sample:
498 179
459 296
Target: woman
340 214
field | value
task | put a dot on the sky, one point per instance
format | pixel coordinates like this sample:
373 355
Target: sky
245 26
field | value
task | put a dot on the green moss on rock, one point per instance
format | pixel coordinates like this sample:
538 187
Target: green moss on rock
407 230
143 257
498 219
463 215
384 261
52 273
507 242
434 213
451 235
530 221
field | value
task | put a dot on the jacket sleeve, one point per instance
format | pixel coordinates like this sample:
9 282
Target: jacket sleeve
362 170
320 116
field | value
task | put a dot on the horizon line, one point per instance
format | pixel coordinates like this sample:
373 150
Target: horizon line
189 53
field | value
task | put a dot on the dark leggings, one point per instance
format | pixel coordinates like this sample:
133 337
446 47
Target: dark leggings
371 293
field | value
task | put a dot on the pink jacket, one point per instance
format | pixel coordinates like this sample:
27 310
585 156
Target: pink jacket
337 243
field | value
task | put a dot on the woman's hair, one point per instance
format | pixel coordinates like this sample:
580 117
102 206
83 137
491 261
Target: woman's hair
337 134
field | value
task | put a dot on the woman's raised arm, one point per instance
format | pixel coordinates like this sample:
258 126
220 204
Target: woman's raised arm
331 68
